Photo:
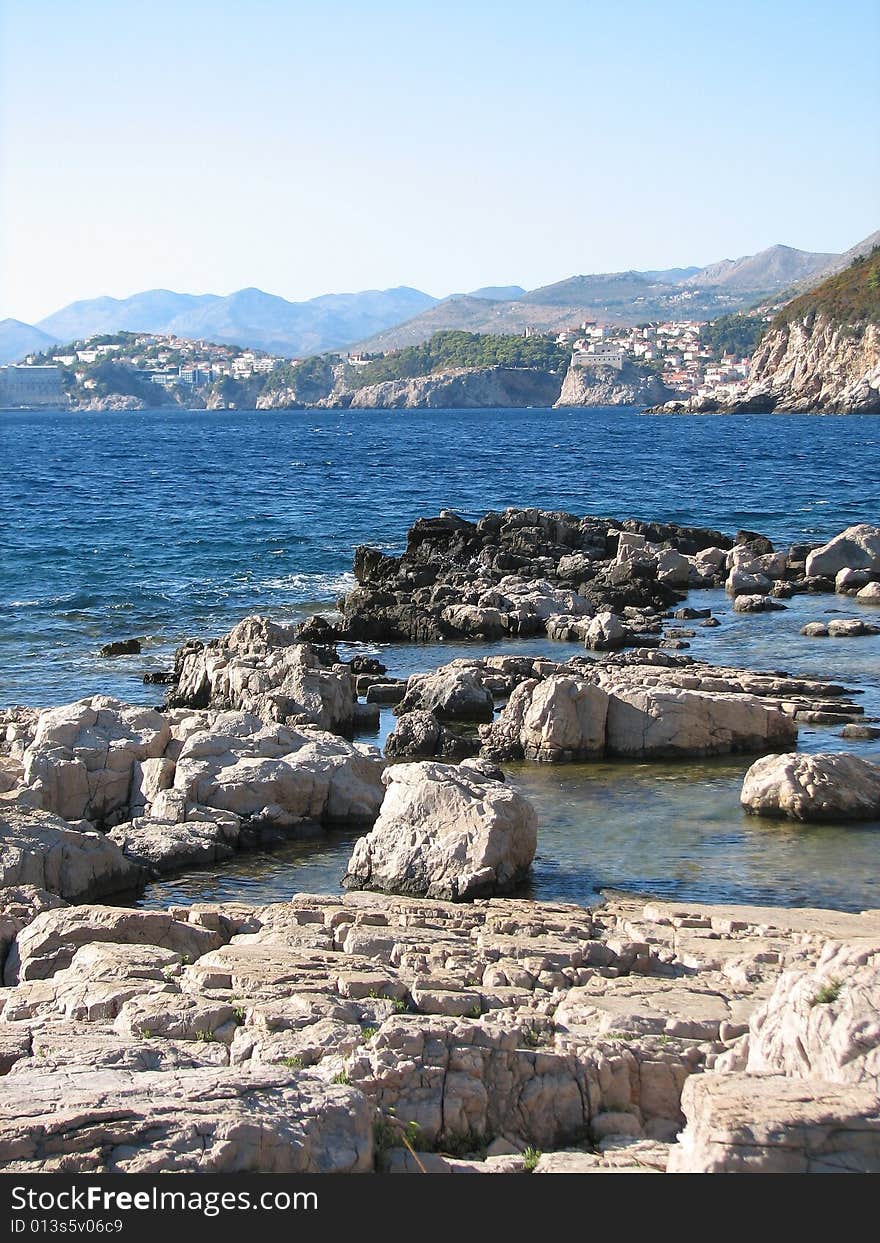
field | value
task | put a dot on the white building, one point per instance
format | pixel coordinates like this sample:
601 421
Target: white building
28 387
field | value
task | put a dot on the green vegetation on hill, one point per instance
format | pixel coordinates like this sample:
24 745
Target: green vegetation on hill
849 297
733 334
453 348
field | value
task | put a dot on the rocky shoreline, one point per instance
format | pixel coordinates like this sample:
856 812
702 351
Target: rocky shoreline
429 1019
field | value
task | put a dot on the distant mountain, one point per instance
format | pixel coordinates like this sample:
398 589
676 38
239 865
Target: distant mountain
670 276
595 290
248 317
616 298
17 340
143 312
499 293
770 269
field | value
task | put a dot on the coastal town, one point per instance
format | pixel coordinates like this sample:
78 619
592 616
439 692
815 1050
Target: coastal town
682 354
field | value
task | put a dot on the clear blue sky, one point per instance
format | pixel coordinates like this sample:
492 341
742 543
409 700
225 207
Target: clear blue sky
321 147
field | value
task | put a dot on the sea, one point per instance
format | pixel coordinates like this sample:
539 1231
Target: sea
166 525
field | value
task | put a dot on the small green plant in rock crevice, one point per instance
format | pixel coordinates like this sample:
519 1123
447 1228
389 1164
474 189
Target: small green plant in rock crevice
827 994
531 1157
292 1063
341 1076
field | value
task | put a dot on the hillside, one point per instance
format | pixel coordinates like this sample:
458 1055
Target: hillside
248 317
847 297
821 354
17 340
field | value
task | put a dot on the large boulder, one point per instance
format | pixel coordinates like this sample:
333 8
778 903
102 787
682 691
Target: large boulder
209 1120
238 764
39 849
260 668
813 787
856 548
655 721
446 832
453 692
561 718
83 755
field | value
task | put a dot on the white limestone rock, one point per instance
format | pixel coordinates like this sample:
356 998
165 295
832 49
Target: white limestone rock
856 548
560 718
240 765
446 832
81 761
208 1120
666 722
813 787
39 849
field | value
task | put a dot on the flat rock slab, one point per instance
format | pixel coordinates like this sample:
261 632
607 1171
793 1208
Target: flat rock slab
205 1121
773 1125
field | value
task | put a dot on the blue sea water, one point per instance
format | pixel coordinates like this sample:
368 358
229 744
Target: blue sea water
163 525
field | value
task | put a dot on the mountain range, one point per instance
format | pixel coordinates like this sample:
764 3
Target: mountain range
381 320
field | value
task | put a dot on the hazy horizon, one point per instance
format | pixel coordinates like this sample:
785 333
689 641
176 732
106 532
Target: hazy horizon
306 150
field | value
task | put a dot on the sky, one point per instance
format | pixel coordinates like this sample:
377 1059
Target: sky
310 148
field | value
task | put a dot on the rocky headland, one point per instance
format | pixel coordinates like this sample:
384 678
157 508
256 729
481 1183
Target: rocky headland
607 386
429 1019
821 354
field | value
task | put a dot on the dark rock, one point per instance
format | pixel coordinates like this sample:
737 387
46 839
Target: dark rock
160 677
419 735
366 664
121 647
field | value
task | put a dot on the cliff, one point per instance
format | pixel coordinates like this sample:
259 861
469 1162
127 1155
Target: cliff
816 364
606 386
460 388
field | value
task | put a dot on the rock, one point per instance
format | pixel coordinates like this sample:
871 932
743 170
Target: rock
450 693
50 941
606 632
19 904
856 548
121 647
251 1119
673 568
744 582
386 692
42 850
813 787
83 755
863 732
850 628
667 723
756 604
848 581
163 847
773 1125
561 718
816 1023
366 718
261 668
445 832
869 594
419 735
237 764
